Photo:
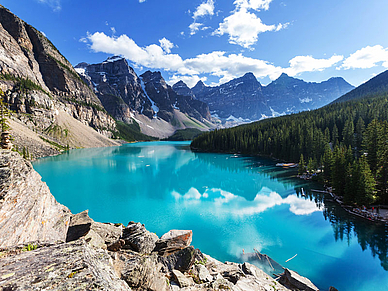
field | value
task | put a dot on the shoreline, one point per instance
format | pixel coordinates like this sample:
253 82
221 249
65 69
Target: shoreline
365 214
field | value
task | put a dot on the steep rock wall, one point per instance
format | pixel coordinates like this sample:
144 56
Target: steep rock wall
28 211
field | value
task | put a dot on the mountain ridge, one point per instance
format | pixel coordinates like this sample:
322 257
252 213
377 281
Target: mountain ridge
146 99
282 96
374 86
40 85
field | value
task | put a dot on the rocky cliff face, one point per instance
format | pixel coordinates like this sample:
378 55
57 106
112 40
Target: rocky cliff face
147 99
118 87
245 98
28 211
166 99
122 91
38 80
241 97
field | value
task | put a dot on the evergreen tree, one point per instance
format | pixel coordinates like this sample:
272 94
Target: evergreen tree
311 166
302 165
360 129
351 182
382 166
327 163
335 136
371 144
348 133
338 171
365 193
4 113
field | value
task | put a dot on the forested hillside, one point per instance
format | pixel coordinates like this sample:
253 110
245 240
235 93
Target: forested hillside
346 143
376 86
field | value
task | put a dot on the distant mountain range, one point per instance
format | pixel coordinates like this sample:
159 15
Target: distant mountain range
245 98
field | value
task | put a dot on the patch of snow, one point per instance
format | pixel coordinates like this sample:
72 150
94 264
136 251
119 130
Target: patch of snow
175 105
274 114
150 126
133 117
113 59
153 104
137 120
81 71
238 119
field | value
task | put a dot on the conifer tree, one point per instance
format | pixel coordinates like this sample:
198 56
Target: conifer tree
359 133
327 163
371 144
365 193
348 132
302 165
4 114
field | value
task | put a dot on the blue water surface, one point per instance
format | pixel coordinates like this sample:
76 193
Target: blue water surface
233 204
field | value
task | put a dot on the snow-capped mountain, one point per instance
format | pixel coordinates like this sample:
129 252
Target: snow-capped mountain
245 98
291 95
241 97
148 99
118 87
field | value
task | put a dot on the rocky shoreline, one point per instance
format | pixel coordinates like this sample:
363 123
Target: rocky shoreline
43 246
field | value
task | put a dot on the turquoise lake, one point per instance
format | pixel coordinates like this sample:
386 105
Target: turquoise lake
231 202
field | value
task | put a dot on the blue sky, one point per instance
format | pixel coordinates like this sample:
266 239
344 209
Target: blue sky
216 40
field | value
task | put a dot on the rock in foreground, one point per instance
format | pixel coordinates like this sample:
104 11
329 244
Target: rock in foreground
28 211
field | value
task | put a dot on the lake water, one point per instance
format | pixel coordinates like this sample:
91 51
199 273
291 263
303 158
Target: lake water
232 203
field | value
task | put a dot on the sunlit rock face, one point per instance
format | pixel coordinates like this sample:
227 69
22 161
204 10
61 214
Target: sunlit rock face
28 211
51 83
122 91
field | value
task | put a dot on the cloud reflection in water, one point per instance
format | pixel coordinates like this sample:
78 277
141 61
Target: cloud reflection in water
228 203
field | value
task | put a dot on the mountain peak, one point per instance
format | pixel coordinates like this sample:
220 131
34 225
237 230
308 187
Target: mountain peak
114 59
284 76
199 85
149 76
180 84
249 76
82 65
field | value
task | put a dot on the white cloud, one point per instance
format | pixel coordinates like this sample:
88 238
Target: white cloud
152 56
141 1
252 4
366 58
204 9
227 67
166 45
189 80
54 4
300 64
243 26
194 27
217 63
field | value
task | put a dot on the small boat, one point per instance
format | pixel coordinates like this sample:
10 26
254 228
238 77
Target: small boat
286 165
